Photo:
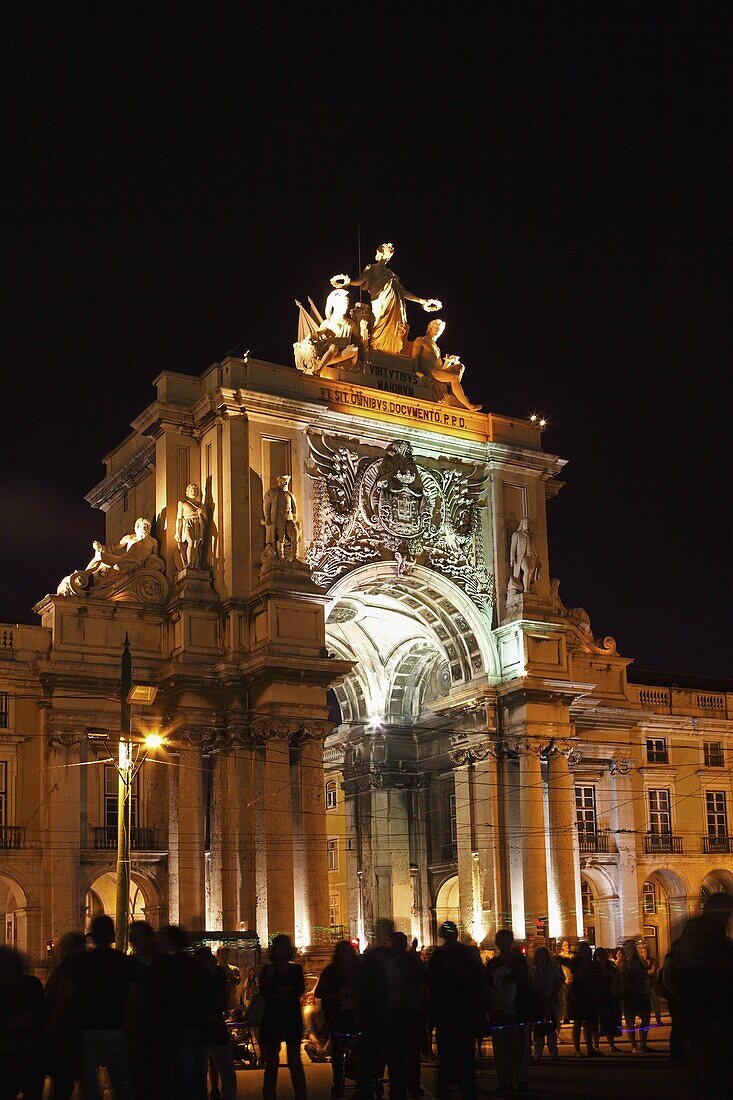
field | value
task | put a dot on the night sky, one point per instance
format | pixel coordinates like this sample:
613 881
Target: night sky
558 176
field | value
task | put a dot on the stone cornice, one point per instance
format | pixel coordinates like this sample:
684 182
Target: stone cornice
114 487
543 687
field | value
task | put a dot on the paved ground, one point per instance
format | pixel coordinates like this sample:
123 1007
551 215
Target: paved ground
615 1075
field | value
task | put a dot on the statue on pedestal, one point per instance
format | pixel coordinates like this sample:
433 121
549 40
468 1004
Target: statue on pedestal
446 372
281 523
106 573
336 340
389 298
191 528
524 561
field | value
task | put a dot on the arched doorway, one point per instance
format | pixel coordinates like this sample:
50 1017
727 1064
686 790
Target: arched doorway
663 910
716 882
13 903
101 898
447 905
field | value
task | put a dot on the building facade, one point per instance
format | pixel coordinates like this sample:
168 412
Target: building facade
375 704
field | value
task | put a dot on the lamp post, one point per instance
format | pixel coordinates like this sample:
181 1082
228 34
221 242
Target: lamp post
124 802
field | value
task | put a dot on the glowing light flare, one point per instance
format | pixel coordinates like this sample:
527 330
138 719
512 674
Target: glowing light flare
154 741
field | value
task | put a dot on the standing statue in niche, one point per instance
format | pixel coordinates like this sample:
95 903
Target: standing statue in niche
336 340
524 561
191 528
281 523
445 372
389 297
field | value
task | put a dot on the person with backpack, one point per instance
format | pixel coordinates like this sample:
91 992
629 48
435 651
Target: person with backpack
509 994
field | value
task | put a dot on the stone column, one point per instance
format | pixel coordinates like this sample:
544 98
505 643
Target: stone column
278 835
563 832
315 854
223 829
534 852
464 843
174 877
62 837
391 855
486 830
191 855
242 800
353 868
628 917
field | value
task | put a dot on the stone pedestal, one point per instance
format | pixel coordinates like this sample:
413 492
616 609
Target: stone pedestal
563 843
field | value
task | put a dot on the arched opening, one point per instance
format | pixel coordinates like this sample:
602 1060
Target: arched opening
101 898
663 910
447 903
13 903
599 907
716 882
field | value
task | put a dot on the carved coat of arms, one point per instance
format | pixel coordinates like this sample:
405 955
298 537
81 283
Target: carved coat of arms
366 508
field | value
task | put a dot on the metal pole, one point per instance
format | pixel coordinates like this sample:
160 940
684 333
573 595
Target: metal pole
124 803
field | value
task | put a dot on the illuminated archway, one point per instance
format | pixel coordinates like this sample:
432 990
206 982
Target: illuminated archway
719 881
101 897
447 902
414 638
13 902
664 909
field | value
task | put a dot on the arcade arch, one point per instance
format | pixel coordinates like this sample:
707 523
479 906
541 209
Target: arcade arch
101 898
13 906
447 902
716 882
413 637
664 910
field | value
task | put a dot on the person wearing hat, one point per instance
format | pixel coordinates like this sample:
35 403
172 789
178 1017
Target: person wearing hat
455 981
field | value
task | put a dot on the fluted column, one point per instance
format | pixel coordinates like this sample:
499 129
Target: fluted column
278 837
628 917
534 852
563 833
191 855
464 844
315 854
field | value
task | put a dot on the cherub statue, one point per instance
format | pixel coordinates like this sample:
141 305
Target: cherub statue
191 527
336 340
389 298
448 371
280 520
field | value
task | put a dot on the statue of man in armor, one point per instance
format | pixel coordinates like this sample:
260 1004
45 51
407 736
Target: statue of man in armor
280 520
190 527
523 558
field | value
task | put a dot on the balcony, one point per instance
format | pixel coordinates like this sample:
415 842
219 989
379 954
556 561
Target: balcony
657 844
449 852
142 838
11 836
595 841
717 845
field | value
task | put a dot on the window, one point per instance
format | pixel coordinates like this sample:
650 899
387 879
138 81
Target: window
585 810
334 910
649 898
452 820
333 855
3 793
4 710
111 785
656 750
331 795
717 817
713 754
660 817
586 895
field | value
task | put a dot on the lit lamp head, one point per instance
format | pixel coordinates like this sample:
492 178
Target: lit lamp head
154 741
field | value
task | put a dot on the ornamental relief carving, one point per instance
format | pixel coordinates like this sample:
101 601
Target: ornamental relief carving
367 508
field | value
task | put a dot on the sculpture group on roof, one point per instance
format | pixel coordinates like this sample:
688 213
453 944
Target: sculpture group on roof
346 336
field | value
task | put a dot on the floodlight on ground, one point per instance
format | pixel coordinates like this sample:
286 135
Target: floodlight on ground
142 694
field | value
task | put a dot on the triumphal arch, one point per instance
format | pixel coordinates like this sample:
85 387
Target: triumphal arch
341 564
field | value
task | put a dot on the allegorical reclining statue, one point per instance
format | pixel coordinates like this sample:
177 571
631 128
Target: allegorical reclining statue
135 551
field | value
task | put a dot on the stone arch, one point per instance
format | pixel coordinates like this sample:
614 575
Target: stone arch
413 636
447 902
664 925
145 895
718 881
13 912
605 903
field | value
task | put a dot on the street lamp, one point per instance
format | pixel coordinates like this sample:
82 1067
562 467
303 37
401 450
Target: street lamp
129 763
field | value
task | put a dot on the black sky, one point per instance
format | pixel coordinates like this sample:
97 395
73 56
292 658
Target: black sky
557 174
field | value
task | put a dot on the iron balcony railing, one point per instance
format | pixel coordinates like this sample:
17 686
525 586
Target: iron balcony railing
11 836
142 838
593 841
662 844
449 852
717 845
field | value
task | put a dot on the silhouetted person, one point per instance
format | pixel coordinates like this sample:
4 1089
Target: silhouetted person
547 981
22 1029
405 980
699 975
635 1000
147 1065
584 1000
336 992
282 984
66 1046
232 975
218 1045
608 979
104 994
652 970
371 999
455 979
179 999
509 994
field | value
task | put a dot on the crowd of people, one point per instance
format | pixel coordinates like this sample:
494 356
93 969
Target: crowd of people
162 1019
